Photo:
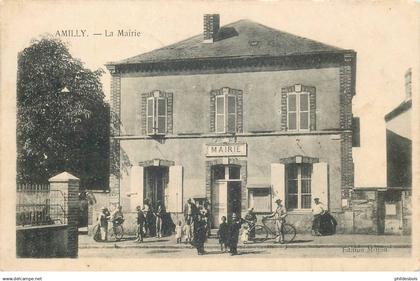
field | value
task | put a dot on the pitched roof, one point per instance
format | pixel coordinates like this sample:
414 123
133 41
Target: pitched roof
243 38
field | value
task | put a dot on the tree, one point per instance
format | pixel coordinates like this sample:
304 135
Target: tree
63 122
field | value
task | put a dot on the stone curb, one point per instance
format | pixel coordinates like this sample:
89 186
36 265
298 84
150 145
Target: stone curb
253 246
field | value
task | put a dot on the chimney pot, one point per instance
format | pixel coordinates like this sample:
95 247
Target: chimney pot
211 27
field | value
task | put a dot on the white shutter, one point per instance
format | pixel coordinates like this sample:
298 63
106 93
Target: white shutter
136 186
277 183
319 184
175 189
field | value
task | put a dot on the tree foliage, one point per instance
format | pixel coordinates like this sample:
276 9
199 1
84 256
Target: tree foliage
59 130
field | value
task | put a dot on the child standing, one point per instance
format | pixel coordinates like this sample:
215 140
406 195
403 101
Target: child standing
178 232
187 231
244 234
222 234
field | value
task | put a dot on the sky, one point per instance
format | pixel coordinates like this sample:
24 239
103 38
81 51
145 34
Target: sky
384 35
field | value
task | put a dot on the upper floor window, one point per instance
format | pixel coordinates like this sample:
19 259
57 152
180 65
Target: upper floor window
156 113
298 111
226 111
298 108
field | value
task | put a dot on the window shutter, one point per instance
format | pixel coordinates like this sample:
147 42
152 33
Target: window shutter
169 112
213 110
239 110
143 113
320 182
175 189
136 186
150 115
161 115
312 107
277 183
231 113
283 109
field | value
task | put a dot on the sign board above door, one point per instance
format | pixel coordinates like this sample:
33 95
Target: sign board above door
226 149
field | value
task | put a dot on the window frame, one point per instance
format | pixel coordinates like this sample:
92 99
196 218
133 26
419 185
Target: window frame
251 191
298 111
299 168
225 97
155 115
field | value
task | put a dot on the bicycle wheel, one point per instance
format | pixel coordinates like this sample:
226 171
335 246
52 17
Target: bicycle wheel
96 233
289 232
261 233
119 232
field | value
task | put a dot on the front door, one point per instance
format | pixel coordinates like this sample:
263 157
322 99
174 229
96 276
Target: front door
156 185
234 198
226 192
219 201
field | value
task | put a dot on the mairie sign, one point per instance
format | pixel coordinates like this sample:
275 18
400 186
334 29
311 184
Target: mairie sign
226 149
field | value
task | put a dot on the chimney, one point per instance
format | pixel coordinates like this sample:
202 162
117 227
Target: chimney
211 27
408 84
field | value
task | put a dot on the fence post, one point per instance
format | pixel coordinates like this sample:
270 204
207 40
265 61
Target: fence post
69 186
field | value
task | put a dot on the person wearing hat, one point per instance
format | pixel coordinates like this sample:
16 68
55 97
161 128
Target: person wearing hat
280 218
318 210
103 223
191 213
199 236
251 219
140 224
234 227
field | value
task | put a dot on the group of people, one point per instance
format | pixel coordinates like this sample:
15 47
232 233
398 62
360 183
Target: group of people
197 224
116 217
152 222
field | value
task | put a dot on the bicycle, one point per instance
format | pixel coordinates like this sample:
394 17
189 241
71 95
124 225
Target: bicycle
262 232
115 231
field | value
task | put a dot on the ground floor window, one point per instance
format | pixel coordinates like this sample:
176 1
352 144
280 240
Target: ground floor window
259 199
298 186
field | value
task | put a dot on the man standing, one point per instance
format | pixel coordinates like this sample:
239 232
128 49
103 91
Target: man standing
103 223
205 212
190 214
280 218
234 227
318 210
199 235
140 224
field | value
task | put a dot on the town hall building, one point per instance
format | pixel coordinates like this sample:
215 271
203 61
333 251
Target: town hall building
238 116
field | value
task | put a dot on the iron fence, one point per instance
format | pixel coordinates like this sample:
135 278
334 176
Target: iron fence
37 204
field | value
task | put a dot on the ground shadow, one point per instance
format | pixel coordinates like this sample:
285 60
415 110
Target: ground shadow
162 251
153 241
299 241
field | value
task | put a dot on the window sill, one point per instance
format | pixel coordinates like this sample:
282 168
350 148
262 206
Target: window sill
299 212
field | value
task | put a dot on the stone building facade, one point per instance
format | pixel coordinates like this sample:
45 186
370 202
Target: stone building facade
238 116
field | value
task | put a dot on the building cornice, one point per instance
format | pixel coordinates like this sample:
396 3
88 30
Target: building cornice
233 64
241 135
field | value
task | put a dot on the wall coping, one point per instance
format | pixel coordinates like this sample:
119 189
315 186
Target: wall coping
47 226
63 177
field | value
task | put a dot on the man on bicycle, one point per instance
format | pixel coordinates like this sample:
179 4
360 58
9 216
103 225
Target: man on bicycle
280 218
